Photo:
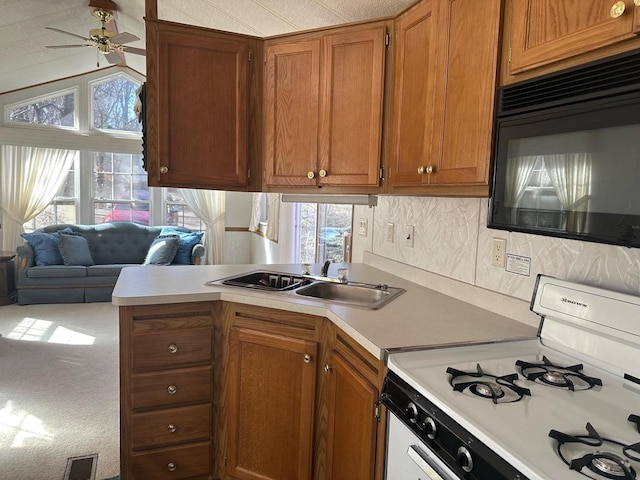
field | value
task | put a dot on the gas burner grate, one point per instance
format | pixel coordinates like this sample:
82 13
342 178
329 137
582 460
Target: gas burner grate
499 389
582 454
546 373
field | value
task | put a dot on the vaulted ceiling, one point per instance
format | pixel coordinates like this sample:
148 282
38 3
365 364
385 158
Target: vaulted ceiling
24 60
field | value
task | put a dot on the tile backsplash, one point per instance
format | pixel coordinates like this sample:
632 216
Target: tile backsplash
451 239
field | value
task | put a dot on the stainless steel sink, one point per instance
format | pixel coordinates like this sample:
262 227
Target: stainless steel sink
359 294
265 280
313 286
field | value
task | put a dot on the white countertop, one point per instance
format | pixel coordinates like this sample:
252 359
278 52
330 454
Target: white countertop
420 317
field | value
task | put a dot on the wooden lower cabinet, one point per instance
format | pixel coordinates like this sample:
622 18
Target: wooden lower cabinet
218 390
166 385
353 422
271 394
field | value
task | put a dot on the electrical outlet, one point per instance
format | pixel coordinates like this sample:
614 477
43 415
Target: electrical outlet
362 227
408 235
499 252
389 233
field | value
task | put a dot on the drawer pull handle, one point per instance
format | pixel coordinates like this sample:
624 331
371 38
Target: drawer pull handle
172 389
172 428
617 9
173 348
172 466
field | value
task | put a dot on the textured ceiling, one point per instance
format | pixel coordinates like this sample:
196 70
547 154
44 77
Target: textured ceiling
24 60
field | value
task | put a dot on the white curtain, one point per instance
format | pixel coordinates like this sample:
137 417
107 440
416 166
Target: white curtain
209 206
30 178
519 171
272 216
570 174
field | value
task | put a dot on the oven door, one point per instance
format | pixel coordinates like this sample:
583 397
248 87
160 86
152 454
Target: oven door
408 458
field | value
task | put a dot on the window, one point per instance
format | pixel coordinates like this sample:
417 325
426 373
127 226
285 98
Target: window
178 213
63 208
120 191
112 103
324 232
57 110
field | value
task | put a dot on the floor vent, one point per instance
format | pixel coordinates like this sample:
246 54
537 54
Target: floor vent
81 468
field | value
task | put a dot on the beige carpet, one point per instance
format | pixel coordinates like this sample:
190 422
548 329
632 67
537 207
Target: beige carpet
59 389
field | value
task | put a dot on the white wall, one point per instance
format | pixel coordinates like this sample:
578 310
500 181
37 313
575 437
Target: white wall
451 239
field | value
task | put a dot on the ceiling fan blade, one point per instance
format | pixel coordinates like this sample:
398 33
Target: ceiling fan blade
124 37
113 58
134 50
67 33
68 46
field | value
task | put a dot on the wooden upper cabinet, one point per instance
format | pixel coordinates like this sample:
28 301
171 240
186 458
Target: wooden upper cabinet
466 78
413 96
323 108
292 112
351 115
198 98
445 81
546 31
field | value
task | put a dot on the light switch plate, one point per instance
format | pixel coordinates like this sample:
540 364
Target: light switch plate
389 233
409 232
362 227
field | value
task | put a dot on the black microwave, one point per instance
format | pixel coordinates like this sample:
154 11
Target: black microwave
566 156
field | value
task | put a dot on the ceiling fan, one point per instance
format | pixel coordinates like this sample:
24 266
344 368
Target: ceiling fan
107 42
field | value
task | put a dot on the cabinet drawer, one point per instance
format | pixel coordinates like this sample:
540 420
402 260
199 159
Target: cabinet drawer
188 385
173 463
171 426
172 348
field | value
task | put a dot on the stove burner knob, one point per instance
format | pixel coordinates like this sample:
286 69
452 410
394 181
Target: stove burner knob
430 427
465 461
411 412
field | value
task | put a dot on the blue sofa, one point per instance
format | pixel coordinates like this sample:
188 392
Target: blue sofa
112 247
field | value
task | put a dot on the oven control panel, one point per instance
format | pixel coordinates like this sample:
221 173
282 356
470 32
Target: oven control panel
462 453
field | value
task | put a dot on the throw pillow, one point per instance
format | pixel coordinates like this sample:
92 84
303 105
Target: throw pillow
187 240
45 247
74 248
162 250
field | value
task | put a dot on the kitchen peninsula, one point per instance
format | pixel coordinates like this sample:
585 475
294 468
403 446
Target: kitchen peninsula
218 381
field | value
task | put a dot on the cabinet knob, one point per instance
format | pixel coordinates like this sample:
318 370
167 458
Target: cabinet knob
173 348
322 173
172 389
307 358
172 428
164 169
172 466
422 170
327 368
311 175
618 9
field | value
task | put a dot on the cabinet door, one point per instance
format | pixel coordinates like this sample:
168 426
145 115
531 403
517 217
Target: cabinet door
466 71
351 443
271 400
351 112
545 31
202 102
292 103
413 96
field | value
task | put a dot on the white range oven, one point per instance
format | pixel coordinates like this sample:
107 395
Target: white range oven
565 405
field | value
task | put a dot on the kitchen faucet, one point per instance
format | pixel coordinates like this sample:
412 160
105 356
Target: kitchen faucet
325 268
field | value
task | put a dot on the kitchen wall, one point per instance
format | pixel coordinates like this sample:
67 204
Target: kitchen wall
451 239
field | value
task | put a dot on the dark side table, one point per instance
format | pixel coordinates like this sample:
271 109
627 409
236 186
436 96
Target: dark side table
7 277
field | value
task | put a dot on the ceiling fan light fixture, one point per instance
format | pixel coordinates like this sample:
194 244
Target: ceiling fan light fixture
104 16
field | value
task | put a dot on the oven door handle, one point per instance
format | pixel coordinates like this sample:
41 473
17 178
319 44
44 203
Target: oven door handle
414 454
